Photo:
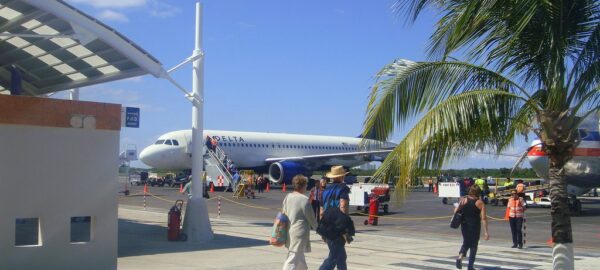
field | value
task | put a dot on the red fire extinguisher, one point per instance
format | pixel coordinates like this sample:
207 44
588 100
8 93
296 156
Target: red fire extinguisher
373 210
174 223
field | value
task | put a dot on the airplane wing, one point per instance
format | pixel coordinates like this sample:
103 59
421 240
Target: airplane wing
316 161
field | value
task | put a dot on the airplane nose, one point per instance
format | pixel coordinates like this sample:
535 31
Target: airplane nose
146 156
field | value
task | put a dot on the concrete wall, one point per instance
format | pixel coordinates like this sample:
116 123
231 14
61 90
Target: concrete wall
53 171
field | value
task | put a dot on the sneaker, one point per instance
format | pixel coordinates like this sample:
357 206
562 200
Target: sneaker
520 247
513 246
459 263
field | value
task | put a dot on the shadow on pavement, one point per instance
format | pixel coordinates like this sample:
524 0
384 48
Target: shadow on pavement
146 239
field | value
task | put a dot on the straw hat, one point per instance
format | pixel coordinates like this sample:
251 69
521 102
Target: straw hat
336 171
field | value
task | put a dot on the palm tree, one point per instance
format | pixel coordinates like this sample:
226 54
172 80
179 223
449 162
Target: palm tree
530 66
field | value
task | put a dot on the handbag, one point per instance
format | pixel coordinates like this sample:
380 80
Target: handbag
458 217
279 232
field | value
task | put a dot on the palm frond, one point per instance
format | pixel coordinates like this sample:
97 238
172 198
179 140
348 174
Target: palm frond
460 124
406 89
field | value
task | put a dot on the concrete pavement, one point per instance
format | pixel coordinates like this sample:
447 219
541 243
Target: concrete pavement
242 244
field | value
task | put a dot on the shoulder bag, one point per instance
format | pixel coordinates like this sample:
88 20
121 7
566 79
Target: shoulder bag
457 218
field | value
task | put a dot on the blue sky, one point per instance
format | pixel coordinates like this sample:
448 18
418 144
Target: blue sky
280 66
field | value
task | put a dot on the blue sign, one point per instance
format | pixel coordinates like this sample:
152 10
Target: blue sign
132 117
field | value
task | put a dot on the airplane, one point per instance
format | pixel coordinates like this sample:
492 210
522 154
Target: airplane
582 171
281 155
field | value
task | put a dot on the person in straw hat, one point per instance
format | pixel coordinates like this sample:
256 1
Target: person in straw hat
336 195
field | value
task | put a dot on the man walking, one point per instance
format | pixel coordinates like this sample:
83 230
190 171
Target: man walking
516 208
337 196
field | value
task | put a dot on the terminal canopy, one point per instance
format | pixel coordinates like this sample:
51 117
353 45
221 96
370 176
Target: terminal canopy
50 46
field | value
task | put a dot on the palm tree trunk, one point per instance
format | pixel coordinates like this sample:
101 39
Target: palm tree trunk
562 236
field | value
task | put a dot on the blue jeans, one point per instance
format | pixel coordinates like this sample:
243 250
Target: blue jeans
337 255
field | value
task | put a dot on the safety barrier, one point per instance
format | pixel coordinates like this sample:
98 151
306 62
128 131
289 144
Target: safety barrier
220 198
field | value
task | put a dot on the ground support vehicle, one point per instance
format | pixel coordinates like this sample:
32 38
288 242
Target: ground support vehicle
536 195
361 192
180 180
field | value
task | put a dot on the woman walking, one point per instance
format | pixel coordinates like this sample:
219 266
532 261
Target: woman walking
301 219
474 214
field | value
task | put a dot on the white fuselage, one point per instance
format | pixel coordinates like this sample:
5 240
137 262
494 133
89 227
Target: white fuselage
250 149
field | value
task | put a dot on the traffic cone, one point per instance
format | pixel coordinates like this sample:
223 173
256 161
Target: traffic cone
268 187
212 188
435 187
507 214
145 188
550 242
283 190
180 188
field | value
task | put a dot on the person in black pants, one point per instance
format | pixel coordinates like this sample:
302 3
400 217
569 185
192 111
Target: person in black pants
474 214
516 209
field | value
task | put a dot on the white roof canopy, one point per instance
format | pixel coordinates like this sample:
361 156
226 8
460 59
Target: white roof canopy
56 47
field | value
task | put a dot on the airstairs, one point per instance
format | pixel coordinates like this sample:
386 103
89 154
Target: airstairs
215 165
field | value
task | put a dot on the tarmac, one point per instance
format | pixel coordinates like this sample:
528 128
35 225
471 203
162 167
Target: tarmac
242 244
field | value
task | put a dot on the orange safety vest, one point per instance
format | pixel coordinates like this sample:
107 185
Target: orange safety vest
515 208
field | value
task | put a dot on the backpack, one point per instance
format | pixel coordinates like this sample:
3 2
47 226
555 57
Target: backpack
331 197
334 223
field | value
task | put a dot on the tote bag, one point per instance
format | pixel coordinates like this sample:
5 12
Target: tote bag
279 232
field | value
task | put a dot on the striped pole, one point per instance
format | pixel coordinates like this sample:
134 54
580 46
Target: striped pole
145 191
524 229
219 207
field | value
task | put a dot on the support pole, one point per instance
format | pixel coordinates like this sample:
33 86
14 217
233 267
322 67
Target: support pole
196 223
74 94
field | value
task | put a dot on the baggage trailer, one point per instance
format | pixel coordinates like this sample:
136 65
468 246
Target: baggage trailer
534 196
360 193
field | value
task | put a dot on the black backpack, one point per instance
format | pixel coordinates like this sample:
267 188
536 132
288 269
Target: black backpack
334 223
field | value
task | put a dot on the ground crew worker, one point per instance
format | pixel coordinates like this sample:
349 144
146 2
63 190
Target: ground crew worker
483 186
508 184
516 208
480 182
521 189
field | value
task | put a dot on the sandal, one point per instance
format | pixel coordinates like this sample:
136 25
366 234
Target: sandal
458 263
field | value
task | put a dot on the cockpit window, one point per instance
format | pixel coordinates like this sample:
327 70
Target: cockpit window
168 142
175 142
159 142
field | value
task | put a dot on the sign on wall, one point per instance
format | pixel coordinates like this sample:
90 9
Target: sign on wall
130 117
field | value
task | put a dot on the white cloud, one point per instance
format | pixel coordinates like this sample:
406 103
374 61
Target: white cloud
111 3
163 10
110 15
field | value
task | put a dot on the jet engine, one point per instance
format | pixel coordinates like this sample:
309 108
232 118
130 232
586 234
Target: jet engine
283 172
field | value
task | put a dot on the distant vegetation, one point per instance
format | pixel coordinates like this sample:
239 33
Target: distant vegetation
471 172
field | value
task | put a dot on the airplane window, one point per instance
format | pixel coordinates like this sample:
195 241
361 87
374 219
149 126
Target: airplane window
168 142
175 142
159 142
